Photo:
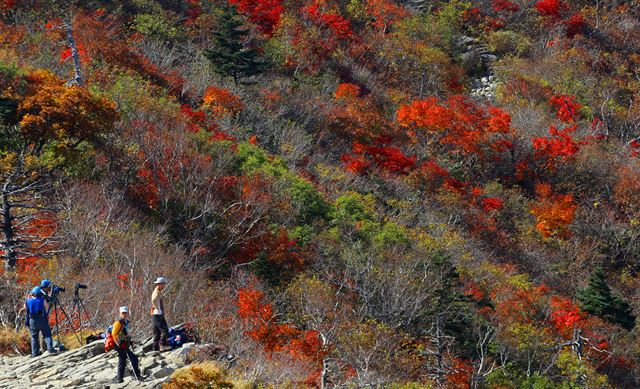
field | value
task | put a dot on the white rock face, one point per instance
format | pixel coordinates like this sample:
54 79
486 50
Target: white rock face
89 367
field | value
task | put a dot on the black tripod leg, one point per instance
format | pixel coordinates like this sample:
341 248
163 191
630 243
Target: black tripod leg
81 310
70 324
57 327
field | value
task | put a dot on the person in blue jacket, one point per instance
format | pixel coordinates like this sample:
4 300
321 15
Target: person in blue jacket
38 321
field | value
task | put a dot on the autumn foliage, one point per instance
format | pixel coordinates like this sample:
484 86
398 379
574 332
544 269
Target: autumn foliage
275 337
264 13
553 212
458 123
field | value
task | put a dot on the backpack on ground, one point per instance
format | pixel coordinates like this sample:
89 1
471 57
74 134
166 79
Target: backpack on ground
109 342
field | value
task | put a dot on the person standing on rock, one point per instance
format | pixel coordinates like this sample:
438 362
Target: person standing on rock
38 321
120 333
160 327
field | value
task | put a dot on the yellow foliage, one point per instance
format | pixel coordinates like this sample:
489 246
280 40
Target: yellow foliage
199 376
50 110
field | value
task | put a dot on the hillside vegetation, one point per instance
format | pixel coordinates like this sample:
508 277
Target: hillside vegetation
343 193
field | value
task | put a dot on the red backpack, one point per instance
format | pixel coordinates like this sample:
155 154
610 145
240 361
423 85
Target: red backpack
109 343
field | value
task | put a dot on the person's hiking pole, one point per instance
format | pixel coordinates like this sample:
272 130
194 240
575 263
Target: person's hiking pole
133 371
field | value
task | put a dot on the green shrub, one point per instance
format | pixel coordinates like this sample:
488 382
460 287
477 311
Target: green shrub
508 42
352 207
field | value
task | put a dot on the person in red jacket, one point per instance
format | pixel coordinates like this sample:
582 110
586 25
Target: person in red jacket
122 339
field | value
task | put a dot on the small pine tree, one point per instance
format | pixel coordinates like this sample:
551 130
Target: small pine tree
230 56
597 299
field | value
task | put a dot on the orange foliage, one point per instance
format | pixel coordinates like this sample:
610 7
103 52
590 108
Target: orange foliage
384 13
359 118
459 123
554 212
346 91
103 39
259 317
221 102
459 376
52 110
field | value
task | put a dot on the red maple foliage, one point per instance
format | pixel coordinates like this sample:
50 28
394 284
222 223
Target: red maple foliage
82 54
565 315
558 146
264 13
575 25
194 10
6 5
346 91
492 204
460 123
329 19
387 158
567 109
551 8
259 317
384 13
504 5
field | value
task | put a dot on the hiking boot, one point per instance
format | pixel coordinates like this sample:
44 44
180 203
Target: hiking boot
118 380
165 348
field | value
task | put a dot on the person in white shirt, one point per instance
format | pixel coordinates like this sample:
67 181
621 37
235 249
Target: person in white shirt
160 327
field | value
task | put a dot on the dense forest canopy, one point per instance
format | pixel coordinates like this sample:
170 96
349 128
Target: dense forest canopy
343 193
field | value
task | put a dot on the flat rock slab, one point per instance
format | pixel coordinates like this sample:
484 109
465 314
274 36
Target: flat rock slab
87 368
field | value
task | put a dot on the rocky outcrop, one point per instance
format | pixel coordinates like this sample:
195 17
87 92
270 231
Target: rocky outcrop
477 60
90 367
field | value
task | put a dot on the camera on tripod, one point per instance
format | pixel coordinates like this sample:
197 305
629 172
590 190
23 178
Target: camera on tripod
78 287
78 310
55 291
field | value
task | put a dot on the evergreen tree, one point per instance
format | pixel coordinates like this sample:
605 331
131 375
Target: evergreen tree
597 299
230 56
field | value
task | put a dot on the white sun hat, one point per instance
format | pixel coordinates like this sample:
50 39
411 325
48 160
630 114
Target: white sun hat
124 309
161 280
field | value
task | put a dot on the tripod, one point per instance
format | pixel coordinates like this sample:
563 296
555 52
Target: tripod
77 307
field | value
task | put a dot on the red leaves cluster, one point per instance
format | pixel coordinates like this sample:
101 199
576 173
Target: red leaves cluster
567 109
259 317
347 92
387 158
553 212
263 13
221 102
194 10
504 5
550 8
565 315
492 204
559 146
328 19
6 5
82 54
281 252
384 13
575 25
359 118
460 123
